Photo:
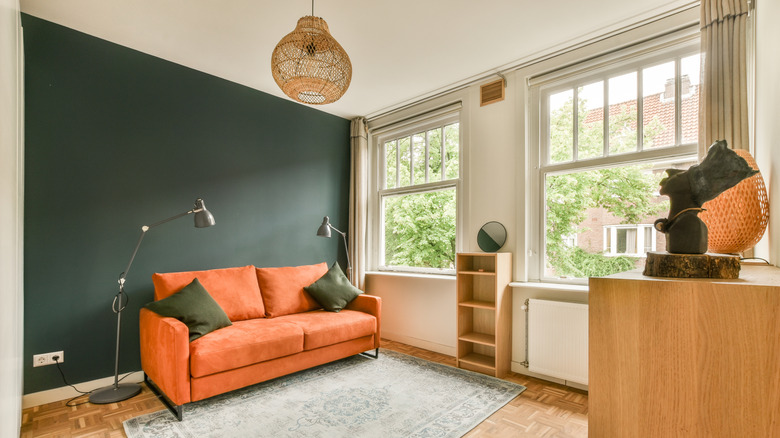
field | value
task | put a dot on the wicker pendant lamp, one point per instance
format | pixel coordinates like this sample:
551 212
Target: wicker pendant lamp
736 220
309 65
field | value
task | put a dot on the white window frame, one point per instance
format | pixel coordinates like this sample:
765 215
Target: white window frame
610 244
572 240
676 45
409 127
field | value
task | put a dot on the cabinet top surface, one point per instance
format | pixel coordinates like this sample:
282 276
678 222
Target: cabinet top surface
749 274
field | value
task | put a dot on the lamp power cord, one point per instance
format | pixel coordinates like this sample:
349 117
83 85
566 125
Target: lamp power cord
70 403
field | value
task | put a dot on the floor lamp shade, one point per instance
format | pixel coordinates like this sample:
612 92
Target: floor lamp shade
736 220
203 217
324 229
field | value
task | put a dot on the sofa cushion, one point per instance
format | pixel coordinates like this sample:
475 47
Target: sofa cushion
322 328
244 343
194 307
282 288
234 289
333 290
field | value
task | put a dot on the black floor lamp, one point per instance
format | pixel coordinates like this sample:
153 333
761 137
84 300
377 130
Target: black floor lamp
117 392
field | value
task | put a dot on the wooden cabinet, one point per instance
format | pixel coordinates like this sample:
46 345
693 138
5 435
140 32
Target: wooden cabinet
484 312
685 357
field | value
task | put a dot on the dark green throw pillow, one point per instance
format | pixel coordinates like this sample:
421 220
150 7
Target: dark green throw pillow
194 307
333 291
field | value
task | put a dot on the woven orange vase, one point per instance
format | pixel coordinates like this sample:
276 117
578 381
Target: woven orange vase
736 220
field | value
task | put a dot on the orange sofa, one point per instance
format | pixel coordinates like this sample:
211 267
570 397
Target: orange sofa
277 329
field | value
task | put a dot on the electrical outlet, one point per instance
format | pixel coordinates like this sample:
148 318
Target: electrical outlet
40 360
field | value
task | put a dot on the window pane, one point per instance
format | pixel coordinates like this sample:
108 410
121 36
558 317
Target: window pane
561 122
590 113
391 171
648 241
689 93
434 155
420 229
404 170
622 240
593 204
658 106
622 113
418 157
630 241
452 150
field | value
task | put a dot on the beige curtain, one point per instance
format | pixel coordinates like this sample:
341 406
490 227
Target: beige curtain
358 201
724 98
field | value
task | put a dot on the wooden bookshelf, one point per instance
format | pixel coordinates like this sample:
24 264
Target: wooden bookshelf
484 312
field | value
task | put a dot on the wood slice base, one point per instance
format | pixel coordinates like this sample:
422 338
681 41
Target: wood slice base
664 264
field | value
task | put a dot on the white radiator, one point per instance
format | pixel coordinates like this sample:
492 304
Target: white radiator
558 339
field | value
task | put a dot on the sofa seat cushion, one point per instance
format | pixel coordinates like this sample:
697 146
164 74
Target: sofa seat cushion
322 328
234 289
244 343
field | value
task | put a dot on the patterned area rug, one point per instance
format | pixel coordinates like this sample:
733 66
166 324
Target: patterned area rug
393 396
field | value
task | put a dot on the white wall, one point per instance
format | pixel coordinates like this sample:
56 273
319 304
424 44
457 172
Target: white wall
11 155
421 311
767 115
417 310
491 167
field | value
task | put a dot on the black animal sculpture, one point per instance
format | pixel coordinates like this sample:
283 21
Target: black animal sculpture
689 189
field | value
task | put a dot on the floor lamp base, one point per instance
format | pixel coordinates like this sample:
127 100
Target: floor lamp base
113 394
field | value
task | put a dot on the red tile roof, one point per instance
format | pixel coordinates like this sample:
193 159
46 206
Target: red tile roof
662 108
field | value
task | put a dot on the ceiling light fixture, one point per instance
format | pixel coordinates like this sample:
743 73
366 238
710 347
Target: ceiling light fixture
309 65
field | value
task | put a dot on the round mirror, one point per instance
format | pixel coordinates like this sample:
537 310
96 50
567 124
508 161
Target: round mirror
491 237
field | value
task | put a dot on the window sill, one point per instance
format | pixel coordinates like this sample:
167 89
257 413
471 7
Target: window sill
566 287
413 275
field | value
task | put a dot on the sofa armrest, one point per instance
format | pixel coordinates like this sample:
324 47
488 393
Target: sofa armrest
165 354
372 305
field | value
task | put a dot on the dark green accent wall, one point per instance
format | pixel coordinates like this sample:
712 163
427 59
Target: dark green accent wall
116 139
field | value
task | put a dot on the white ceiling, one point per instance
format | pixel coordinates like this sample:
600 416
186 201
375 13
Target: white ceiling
401 50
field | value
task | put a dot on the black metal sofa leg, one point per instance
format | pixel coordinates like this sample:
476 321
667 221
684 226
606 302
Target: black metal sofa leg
176 410
373 356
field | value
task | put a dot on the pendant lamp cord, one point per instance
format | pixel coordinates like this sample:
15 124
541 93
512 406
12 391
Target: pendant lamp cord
312 8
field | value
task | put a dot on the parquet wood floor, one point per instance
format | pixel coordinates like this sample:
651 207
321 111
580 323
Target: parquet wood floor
543 410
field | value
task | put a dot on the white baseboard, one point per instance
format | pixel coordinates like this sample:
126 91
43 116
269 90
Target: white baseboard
518 368
419 343
66 392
